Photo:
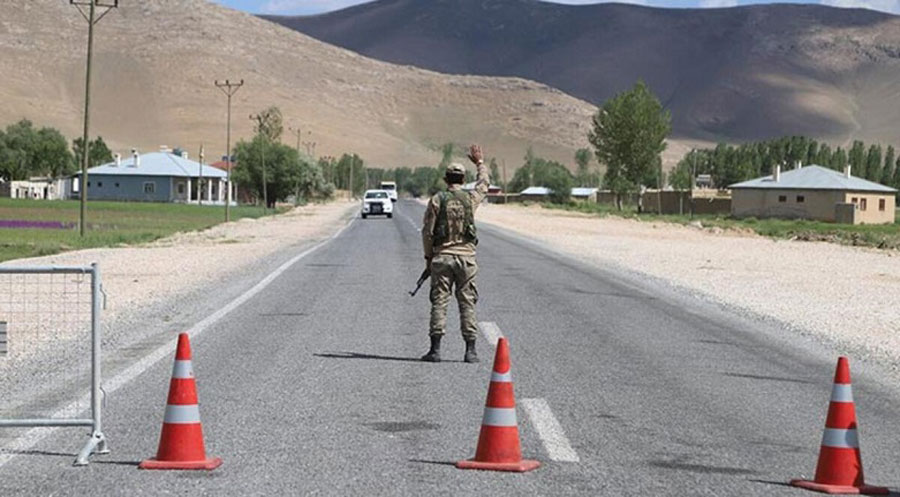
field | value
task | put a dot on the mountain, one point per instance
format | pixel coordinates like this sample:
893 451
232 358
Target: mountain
155 62
726 74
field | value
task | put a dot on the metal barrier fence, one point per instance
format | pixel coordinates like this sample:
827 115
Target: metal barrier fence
43 305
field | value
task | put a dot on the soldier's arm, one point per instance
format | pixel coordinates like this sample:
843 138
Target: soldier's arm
482 178
428 228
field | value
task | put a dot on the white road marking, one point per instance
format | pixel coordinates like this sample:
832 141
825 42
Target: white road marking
411 222
550 431
33 436
490 331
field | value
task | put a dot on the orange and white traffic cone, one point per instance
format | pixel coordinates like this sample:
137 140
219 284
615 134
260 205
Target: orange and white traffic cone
839 470
181 442
498 443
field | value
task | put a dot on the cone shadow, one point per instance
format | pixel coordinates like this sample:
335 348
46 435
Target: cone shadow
768 378
438 463
356 355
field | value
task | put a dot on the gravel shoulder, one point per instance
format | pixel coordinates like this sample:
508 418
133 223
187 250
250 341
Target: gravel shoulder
848 297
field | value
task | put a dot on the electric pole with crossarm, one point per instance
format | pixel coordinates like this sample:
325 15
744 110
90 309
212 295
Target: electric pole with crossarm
229 89
92 17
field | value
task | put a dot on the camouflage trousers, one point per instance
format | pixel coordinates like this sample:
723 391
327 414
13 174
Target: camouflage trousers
449 272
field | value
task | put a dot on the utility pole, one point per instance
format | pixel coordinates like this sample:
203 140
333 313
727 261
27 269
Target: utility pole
297 185
262 121
229 89
92 18
505 185
350 186
310 148
298 133
200 181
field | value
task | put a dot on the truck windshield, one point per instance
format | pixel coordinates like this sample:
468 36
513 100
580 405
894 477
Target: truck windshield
388 186
376 195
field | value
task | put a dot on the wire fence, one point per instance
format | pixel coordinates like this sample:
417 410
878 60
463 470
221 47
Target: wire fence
44 310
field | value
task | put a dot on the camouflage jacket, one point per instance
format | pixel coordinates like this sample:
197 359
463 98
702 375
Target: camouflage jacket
455 244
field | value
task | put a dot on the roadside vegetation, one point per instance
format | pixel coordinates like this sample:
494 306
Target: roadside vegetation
882 236
728 164
32 228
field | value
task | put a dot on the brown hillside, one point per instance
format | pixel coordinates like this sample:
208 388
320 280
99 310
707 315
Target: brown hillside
156 61
727 74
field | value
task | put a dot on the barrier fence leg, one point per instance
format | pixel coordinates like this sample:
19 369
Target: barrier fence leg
97 444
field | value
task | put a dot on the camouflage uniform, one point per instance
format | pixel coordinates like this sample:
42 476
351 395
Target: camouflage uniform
452 253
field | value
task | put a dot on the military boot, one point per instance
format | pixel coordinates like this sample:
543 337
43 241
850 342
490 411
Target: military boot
434 355
471 355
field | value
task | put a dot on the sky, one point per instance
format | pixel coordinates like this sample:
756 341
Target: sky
294 7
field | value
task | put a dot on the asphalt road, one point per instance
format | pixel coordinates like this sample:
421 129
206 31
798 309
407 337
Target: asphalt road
312 387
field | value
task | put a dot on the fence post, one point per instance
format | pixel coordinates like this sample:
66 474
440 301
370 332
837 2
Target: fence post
97 443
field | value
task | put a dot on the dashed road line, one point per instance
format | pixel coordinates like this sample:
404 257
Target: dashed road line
411 222
32 437
549 430
490 331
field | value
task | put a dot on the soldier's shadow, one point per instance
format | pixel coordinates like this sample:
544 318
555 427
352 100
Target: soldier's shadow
357 355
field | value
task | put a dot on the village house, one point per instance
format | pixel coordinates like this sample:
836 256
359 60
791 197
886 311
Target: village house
814 192
157 177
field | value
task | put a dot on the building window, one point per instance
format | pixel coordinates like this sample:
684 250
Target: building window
855 200
99 184
782 198
862 204
881 204
801 199
150 187
181 188
89 184
117 185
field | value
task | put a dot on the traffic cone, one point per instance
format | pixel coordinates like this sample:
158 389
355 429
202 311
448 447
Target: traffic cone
498 443
181 441
839 470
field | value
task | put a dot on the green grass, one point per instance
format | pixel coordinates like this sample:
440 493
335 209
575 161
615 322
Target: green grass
884 236
109 224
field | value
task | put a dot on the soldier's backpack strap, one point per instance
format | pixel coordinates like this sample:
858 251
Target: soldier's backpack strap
441 227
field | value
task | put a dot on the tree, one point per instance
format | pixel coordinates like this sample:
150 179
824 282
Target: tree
559 180
628 136
887 172
270 124
583 160
895 182
99 152
287 173
873 163
495 173
856 158
26 151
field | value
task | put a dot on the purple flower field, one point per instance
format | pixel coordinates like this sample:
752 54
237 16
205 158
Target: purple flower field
42 225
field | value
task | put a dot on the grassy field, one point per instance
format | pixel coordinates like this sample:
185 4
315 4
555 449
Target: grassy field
109 224
884 236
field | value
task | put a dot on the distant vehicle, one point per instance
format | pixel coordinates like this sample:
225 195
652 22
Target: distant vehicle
391 188
377 203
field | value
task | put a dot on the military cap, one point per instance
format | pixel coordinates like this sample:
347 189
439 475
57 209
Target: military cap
456 168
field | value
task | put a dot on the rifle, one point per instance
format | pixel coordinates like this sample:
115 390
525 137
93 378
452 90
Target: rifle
424 276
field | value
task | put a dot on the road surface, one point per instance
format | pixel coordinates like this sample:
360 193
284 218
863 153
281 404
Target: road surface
311 386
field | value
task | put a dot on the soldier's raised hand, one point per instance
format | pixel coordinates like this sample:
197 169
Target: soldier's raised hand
475 154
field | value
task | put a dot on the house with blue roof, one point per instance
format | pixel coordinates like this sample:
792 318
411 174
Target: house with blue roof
814 192
158 177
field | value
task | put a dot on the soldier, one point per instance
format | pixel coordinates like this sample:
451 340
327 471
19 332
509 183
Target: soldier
449 240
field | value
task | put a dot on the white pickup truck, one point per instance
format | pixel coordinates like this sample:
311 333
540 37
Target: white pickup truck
377 203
